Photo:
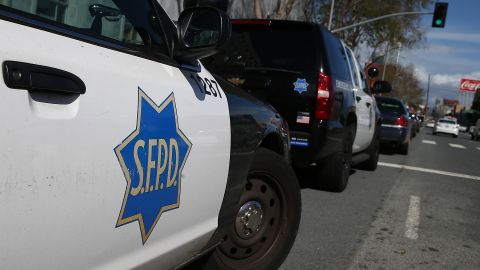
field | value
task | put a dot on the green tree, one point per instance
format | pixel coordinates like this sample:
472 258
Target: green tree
404 29
406 86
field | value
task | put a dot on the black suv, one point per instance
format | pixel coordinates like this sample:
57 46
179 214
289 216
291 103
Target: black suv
301 69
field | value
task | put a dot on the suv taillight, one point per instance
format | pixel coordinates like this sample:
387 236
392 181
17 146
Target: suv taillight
401 121
324 97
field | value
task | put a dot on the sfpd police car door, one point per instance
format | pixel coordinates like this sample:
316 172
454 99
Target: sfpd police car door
110 156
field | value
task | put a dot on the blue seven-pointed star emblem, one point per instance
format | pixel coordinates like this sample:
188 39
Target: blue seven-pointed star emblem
300 85
152 158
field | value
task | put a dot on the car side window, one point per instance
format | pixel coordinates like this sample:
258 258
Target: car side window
364 83
353 70
131 23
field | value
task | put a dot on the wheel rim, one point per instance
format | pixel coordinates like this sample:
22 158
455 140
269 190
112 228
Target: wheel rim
260 222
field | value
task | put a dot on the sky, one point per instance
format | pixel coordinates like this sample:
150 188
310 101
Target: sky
450 53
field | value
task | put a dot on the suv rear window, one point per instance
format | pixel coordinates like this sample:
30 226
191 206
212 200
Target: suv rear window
289 48
447 122
390 105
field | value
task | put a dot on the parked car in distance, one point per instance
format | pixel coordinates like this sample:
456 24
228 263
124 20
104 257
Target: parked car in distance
302 70
415 124
475 131
430 123
396 125
446 125
462 128
418 122
421 118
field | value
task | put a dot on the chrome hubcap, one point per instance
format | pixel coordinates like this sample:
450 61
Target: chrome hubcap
249 219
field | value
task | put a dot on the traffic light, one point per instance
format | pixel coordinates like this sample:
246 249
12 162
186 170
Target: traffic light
439 15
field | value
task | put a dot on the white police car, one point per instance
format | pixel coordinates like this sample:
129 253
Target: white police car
118 150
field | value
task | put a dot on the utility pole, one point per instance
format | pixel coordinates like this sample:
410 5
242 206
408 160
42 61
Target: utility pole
331 15
428 94
385 62
377 18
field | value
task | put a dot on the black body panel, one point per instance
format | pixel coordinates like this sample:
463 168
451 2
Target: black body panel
268 58
253 124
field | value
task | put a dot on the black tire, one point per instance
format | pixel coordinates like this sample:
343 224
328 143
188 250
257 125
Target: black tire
455 136
434 133
374 152
335 172
272 184
403 148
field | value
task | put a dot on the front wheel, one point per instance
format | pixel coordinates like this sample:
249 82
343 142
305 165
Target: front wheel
267 221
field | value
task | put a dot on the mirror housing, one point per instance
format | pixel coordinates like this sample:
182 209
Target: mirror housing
373 72
381 87
201 31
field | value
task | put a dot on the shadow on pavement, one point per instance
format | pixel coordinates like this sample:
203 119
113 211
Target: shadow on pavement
308 180
387 149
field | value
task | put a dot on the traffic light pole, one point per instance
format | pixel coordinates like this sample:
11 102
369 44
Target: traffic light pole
381 18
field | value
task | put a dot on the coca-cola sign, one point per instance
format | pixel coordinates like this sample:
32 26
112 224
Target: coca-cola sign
469 85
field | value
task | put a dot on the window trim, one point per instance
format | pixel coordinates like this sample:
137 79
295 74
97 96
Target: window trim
23 18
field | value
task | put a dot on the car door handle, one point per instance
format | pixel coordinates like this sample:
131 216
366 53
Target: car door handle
19 75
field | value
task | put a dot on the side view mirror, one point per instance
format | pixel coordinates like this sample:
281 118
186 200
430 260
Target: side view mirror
373 72
382 87
201 32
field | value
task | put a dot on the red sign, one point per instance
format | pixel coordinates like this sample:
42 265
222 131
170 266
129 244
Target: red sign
469 85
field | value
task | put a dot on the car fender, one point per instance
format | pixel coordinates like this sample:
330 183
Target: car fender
254 124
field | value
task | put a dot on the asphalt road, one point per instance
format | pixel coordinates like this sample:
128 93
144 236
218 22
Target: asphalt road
422 216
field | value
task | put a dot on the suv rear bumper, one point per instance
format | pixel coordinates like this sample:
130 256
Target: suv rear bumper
393 134
326 140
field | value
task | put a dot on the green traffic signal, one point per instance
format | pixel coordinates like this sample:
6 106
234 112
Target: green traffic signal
439 15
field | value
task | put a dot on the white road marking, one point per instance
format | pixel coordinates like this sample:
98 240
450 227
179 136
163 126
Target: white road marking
429 142
418 169
413 218
457 146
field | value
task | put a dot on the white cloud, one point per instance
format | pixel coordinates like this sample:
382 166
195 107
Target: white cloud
447 80
439 49
465 37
